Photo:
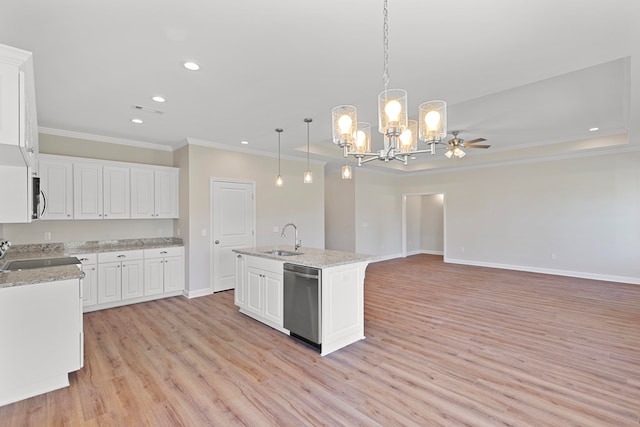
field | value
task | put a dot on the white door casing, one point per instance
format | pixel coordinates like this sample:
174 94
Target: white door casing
232 223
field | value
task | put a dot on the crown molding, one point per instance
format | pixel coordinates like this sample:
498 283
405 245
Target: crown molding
102 138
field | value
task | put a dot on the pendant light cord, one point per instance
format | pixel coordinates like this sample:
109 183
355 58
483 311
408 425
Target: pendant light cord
307 143
385 44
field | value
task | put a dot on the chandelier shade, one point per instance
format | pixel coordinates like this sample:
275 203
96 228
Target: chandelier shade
392 112
345 121
432 121
408 141
363 139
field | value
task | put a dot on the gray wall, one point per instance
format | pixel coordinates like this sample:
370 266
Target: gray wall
339 212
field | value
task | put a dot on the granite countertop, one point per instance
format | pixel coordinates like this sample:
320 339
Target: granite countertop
311 257
58 250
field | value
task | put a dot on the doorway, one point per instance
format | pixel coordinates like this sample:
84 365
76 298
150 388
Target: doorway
232 225
423 224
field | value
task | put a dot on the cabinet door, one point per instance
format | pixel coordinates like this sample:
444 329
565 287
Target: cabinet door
116 199
153 276
87 191
166 194
132 279
142 193
255 291
173 274
109 282
273 309
239 294
9 104
89 285
56 183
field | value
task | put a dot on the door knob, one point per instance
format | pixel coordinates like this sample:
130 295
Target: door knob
217 242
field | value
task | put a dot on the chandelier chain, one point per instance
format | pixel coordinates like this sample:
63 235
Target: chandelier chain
385 42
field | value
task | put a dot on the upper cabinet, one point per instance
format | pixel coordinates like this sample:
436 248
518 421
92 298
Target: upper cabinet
18 117
78 188
56 184
154 193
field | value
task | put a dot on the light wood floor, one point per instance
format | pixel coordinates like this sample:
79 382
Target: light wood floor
446 345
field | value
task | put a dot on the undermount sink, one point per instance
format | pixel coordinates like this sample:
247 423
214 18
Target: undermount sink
281 252
29 264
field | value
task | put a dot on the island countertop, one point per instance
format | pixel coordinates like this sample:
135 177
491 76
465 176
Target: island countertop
311 257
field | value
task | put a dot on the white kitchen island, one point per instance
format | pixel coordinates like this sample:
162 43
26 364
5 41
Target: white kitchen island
259 290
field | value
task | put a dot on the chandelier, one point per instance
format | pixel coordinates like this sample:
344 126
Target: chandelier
400 134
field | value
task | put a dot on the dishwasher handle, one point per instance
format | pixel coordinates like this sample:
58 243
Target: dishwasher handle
302 270
307 276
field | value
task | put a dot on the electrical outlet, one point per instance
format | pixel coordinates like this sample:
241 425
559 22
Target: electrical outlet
47 235
204 231
554 257
275 228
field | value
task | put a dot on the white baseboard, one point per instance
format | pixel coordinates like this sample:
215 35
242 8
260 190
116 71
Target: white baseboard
577 274
424 252
198 293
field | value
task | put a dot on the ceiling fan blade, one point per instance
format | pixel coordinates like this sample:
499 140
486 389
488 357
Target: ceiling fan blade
473 141
477 146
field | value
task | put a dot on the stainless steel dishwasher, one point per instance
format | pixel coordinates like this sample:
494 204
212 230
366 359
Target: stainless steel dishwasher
302 299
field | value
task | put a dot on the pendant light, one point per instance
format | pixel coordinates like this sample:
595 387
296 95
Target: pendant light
308 176
347 173
279 180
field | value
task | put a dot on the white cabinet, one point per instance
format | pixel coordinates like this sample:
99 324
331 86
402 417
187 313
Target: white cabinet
42 338
260 291
100 191
56 183
18 116
90 280
240 291
120 276
87 191
163 270
154 193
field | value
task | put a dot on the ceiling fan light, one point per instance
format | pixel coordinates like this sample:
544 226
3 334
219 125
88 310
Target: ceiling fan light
432 121
449 153
459 153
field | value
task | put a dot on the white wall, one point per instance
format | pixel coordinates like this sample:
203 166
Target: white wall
414 224
339 212
574 216
302 204
378 221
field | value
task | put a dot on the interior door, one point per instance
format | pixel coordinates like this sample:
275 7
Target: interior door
232 225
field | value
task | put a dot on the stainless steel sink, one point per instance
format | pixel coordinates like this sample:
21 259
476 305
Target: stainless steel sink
29 264
282 252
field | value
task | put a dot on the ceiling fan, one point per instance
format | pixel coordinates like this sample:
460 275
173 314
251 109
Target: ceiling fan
457 144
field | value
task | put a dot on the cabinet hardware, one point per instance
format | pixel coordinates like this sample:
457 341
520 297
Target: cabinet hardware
122 256
163 252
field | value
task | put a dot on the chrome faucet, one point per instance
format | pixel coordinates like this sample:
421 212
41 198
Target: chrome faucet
298 243
4 247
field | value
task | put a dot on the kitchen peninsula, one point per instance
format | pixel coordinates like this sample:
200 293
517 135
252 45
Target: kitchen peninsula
260 290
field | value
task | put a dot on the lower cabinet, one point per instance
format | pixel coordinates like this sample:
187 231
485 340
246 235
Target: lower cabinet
118 278
259 289
163 270
90 280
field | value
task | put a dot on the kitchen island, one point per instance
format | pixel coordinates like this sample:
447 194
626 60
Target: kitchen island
259 290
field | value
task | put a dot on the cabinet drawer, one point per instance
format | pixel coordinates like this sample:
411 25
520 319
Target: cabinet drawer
120 256
87 258
164 252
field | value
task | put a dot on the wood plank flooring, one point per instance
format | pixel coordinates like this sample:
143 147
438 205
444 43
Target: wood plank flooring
446 345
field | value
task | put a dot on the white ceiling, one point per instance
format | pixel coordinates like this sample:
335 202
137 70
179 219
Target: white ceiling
530 76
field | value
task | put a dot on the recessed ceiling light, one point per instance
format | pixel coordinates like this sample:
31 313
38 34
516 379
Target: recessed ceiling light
137 121
593 129
244 142
192 66
158 99
413 157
